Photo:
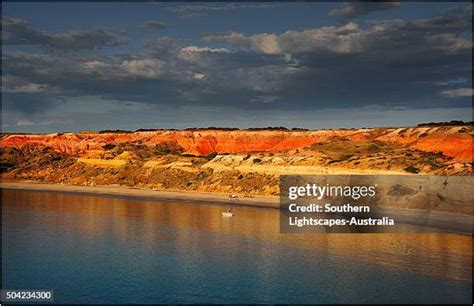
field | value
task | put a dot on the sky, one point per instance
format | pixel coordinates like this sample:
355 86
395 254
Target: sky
95 66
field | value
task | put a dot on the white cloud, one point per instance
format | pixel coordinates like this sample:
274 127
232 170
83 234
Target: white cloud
194 53
460 92
149 68
22 122
113 68
93 65
265 43
204 49
343 39
199 76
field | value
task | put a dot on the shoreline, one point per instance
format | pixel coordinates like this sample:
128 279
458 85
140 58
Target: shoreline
146 194
445 221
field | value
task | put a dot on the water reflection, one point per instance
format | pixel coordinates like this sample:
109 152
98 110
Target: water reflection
438 254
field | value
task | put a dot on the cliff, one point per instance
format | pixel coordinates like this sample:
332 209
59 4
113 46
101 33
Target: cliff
237 161
452 141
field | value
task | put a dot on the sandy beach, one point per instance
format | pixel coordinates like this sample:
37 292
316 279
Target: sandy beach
146 194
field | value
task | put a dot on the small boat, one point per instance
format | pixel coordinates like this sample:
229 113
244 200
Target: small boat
228 214
233 197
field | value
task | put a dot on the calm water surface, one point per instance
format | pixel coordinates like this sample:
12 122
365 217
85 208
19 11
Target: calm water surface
92 249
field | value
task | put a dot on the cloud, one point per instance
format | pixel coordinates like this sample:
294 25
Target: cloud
451 82
194 53
265 79
28 102
456 93
199 76
163 47
16 85
440 33
23 122
154 24
343 39
264 99
356 9
198 10
148 68
119 69
204 49
387 63
19 32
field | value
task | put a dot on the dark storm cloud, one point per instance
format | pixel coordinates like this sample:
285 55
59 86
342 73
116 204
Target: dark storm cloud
452 21
27 65
390 62
119 77
19 32
356 9
200 76
154 24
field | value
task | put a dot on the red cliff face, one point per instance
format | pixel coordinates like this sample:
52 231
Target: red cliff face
457 146
456 142
453 143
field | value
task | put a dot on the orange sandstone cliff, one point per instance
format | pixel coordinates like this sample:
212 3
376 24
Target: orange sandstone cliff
455 142
245 161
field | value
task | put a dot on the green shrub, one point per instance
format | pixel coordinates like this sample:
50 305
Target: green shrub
108 146
212 155
188 155
432 162
412 169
